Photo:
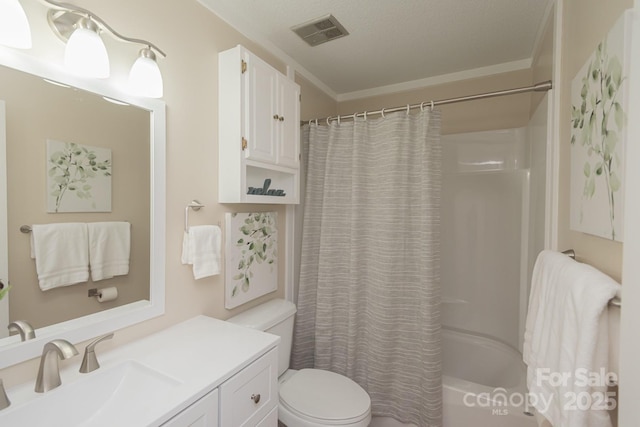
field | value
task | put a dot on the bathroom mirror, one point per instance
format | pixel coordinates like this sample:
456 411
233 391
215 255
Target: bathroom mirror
73 110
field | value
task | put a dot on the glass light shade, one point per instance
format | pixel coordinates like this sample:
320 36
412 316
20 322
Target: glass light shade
145 78
86 54
14 26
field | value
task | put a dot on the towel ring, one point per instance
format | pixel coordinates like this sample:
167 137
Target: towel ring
195 205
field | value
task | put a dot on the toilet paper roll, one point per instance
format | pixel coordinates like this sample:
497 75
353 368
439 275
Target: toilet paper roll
107 294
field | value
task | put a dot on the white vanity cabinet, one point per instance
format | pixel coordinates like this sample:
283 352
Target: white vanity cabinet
251 396
203 413
258 130
248 399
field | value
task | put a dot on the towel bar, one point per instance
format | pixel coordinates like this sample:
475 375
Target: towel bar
615 301
26 229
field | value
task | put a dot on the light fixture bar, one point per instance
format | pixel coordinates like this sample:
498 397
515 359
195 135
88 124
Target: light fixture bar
60 23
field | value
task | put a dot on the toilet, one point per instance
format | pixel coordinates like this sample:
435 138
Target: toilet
308 397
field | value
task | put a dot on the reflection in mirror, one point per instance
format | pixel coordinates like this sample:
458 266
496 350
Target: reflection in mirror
37 113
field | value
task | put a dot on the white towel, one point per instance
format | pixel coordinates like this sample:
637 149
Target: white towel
109 249
201 248
566 333
61 254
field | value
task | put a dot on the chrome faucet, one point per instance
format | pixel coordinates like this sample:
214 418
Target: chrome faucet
90 361
4 400
49 371
23 328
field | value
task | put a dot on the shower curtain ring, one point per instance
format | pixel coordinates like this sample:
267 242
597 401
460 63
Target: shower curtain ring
316 122
382 113
408 109
328 123
365 116
338 119
432 105
422 107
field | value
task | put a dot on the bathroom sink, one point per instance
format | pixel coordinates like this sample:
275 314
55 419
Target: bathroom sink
129 393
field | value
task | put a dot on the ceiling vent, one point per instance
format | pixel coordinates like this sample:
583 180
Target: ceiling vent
320 30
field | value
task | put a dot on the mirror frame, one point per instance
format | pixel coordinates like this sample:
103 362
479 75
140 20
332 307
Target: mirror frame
90 326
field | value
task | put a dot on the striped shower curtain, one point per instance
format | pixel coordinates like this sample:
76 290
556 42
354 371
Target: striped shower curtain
369 288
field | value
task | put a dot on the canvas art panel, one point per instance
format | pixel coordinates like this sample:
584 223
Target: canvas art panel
251 256
598 136
78 178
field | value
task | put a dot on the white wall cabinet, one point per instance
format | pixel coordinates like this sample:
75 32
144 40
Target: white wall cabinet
258 130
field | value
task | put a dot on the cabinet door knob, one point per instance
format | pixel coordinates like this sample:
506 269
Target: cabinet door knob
255 398
276 117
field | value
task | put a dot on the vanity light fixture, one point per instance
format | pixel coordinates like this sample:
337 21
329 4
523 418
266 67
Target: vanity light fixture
14 26
86 54
145 78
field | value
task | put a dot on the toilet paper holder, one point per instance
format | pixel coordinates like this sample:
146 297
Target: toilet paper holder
95 292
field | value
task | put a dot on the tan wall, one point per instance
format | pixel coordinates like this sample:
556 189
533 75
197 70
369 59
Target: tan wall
585 24
493 113
37 111
315 103
542 64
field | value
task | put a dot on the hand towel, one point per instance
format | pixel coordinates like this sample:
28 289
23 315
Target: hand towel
201 248
109 249
566 340
61 254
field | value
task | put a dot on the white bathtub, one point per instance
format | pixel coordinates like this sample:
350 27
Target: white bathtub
484 383
481 379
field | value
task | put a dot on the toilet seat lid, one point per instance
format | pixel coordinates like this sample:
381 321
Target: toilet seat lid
324 395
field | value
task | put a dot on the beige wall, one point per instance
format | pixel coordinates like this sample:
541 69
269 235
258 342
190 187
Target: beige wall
315 103
585 23
542 63
493 113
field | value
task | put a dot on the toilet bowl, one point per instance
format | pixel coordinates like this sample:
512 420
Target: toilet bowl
308 397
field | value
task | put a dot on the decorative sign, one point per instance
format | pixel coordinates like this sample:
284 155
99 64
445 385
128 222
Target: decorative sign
251 256
598 136
78 178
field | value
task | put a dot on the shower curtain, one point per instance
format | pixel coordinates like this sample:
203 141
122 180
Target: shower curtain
369 291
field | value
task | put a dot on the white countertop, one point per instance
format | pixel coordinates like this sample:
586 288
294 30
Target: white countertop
199 354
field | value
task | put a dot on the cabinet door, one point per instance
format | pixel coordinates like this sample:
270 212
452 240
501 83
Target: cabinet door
289 130
261 117
203 413
250 395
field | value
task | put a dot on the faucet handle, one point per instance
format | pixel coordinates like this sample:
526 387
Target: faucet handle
90 361
4 400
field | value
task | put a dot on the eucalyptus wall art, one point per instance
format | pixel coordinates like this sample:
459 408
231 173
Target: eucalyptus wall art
78 178
598 136
251 256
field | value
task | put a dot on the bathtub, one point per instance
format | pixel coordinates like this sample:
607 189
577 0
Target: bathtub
484 383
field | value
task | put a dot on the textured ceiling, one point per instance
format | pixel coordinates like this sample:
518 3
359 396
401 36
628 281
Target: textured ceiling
393 41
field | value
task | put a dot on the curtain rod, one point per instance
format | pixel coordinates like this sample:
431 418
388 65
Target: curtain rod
538 87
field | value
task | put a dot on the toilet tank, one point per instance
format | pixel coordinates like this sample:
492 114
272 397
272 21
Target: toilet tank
275 317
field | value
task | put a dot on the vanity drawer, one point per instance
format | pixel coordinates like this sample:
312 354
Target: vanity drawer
250 395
